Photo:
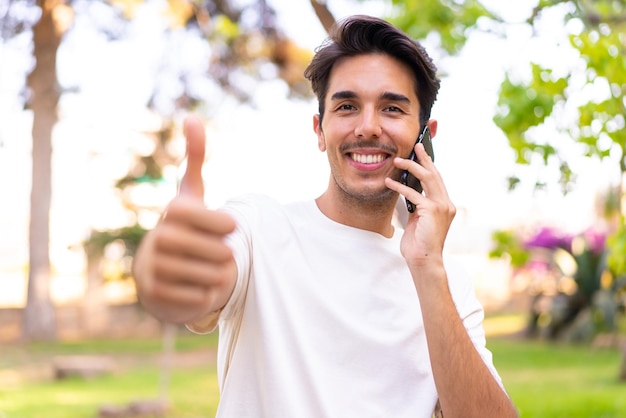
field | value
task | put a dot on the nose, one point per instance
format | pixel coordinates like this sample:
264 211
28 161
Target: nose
368 125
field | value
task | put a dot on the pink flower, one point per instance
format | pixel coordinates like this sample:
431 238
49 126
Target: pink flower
549 238
596 240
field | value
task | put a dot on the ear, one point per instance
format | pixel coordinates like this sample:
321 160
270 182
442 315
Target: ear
432 124
317 127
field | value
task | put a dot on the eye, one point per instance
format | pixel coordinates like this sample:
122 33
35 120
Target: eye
345 107
393 109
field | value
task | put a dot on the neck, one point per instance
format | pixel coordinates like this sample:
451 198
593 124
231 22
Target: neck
375 216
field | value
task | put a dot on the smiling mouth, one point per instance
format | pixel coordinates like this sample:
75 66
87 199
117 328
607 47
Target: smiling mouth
368 158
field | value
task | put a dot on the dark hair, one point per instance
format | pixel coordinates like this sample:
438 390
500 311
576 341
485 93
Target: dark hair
358 35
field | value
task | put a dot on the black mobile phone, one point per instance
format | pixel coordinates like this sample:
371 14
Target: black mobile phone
409 179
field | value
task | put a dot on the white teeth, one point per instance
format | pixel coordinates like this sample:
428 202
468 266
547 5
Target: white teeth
368 159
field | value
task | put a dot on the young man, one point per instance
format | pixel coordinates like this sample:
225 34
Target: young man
324 308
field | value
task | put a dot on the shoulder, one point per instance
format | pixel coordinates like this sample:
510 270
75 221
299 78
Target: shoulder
262 209
250 200
249 205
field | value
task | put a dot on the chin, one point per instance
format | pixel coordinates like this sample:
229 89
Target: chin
377 195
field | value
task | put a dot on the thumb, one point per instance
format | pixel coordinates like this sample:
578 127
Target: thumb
191 184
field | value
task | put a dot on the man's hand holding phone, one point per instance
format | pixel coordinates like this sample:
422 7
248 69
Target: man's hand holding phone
409 179
427 199
183 268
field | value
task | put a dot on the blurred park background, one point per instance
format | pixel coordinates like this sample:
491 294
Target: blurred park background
531 143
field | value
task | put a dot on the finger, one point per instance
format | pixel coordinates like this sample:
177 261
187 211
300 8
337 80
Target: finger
409 193
425 170
179 293
416 169
188 212
431 179
191 184
422 156
191 272
191 244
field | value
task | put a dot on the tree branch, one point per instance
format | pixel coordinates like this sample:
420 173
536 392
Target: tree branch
324 15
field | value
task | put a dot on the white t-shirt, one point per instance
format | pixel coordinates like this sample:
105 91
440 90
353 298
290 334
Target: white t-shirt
325 321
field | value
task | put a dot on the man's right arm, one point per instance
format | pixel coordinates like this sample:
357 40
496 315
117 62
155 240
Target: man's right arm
183 269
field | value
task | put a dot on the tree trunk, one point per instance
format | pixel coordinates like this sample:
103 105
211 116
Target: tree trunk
39 321
95 313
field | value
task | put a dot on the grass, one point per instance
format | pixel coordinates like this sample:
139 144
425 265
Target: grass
561 381
192 388
544 380
193 394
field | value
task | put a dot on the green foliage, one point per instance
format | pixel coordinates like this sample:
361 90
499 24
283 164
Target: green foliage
590 267
601 46
603 49
226 27
450 20
599 38
617 256
130 235
507 245
526 105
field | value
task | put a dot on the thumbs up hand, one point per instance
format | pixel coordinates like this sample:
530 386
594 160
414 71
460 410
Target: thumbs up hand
183 268
192 184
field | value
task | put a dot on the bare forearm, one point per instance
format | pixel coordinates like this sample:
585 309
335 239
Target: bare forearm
464 383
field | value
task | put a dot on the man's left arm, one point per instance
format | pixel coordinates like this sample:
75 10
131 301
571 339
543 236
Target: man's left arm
465 384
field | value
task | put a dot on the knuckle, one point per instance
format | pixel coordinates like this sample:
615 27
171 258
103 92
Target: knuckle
227 253
226 221
162 235
175 208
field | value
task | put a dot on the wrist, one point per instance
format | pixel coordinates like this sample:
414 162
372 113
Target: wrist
429 276
429 263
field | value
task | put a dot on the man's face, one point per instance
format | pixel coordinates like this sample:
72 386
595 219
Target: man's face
371 116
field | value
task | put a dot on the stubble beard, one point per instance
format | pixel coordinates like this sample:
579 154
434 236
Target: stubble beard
370 200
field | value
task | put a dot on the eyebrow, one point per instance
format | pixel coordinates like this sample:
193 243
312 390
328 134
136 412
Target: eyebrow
344 94
387 95
395 97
